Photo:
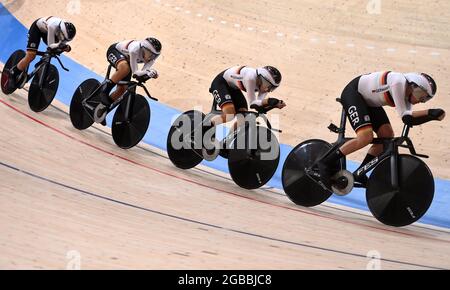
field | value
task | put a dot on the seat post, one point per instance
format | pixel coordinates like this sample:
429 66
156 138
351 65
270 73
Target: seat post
109 71
342 125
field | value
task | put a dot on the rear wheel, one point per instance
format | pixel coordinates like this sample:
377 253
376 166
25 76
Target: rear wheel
298 186
185 140
82 117
8 85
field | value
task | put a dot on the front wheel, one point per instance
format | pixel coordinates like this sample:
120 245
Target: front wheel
43 88
131 121
253 157
406 204
298 186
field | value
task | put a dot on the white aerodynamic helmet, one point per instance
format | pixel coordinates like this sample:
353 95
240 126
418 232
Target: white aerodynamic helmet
422 81
152 47
270 75
68 30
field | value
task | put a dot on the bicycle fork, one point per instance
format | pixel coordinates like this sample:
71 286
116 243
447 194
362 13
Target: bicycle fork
43 75
394 170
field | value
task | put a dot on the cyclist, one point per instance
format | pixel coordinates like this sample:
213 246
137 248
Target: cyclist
54 32
363 100
125 57
228 87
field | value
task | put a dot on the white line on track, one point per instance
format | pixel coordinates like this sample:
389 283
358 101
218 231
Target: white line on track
281 35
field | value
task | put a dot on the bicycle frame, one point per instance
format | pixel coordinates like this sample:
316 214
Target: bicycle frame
131 91
216 111
391 146
43 64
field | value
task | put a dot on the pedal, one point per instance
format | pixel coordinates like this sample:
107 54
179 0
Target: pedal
343 183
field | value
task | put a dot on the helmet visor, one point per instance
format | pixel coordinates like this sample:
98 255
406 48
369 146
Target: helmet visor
266 85
421 94
149 55
61 36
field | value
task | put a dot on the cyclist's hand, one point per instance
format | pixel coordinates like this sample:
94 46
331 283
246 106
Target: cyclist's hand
275 103
281 104
141 79
67 48
442 116
58 48
141 76
153 74
53 46
436 114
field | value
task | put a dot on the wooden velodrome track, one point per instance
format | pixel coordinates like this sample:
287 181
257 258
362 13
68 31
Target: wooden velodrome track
65 190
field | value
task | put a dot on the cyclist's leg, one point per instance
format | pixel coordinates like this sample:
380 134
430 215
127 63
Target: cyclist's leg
123 73
34 39
358 114
116 59
231 110
25 62
382 126
223 98
241 105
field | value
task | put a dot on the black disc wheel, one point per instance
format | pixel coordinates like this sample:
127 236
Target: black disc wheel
185 140
131 121
43 88
7 84
82 116
298 186
254 156
408 202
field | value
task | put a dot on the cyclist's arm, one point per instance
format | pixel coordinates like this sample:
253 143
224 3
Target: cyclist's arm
52 28
263 100
419 114
398 91
421 117
403 108
148 65
249 82
51 39
134 57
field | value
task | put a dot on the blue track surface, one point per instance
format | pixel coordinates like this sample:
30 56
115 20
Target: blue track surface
13 36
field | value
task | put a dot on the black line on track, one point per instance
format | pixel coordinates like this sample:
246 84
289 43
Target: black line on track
329 250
